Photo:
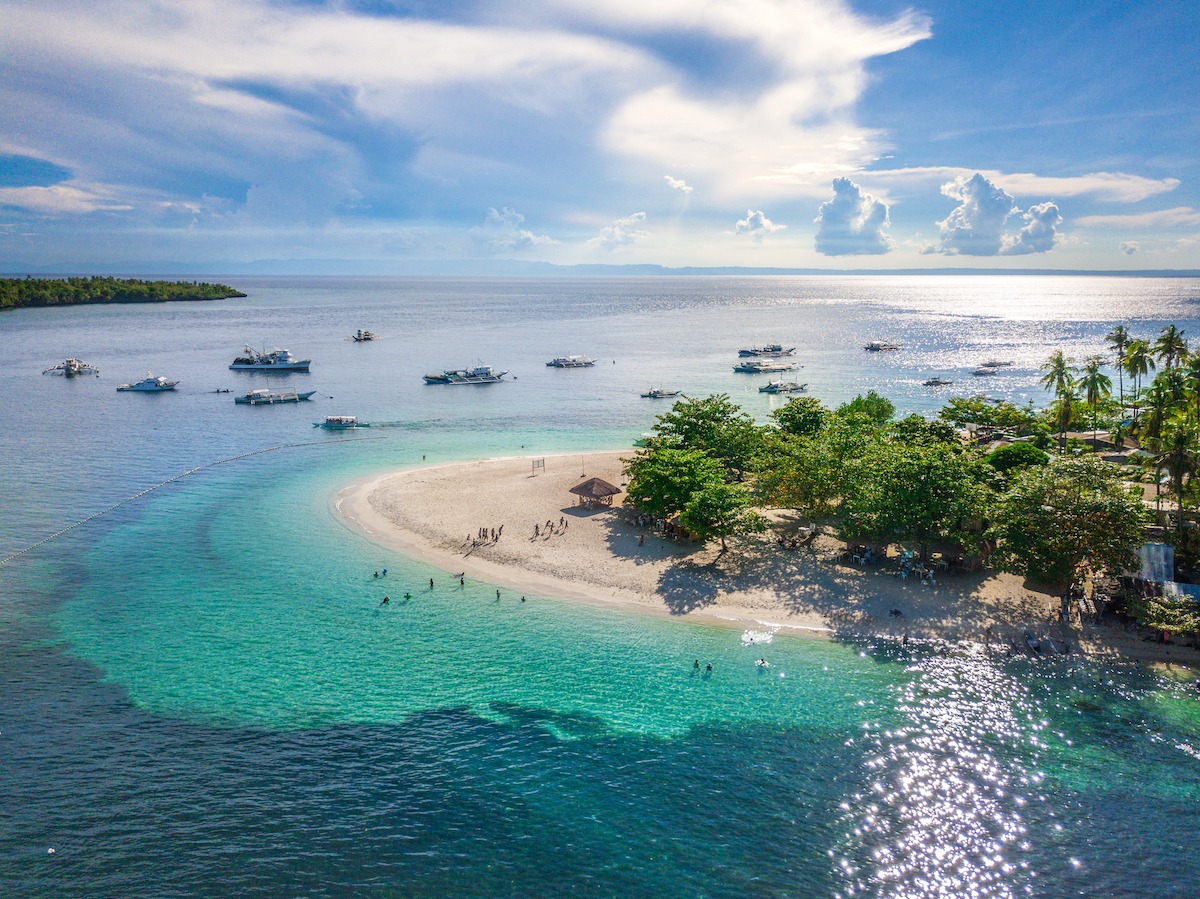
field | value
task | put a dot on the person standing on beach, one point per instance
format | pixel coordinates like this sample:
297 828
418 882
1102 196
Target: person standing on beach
431 583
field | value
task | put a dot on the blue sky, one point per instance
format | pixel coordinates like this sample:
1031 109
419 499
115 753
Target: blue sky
793 133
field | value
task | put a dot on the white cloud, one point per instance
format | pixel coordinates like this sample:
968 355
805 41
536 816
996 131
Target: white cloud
502 231
621 232
1179 217
852 223
1129 247
976 227
1115 187
59 199
756 224
678 184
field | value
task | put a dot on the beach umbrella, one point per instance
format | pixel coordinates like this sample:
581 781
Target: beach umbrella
595 490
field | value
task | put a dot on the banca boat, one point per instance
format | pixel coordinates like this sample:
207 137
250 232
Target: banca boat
276 360
149 384
480 374
340 423
783 387
982 372
758 366
938 382
265 397
876 346
657 393
361 336
771 349
571 362
72 368
995 363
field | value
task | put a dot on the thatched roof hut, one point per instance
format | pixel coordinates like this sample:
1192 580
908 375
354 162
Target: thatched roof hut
595 490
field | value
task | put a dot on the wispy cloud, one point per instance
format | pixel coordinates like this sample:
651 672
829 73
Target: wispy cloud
678 184
621 232
1129 247
1180 216
1115 187
502 232
852 223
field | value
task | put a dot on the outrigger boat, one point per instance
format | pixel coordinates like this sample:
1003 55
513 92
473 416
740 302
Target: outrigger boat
771 349
571 362
657 393
876 346
265 397
149 384
340 423
480 374
758 366
783 387
361 336
938 382
276 360
72 368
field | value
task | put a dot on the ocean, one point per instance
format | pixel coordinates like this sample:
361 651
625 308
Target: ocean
199 694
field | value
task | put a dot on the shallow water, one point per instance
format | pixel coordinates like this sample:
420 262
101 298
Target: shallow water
202 694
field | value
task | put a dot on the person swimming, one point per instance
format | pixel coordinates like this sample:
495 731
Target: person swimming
385 601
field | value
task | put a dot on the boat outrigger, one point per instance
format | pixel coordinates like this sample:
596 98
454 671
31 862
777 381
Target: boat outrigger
783 387
72 368
758 366
276 360
480 374
340 423
771 349
657 393
265 397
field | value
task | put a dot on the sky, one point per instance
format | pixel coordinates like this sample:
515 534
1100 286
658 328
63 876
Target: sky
381 135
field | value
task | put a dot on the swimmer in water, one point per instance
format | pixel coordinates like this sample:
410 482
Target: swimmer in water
385 601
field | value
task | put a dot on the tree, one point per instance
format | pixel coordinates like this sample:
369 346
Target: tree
874 408
662 479
1172 614
1171 347
1015 455
1138 362
1056 521
1191 380
716 426
808 473
915 429
1158 409
801 417
1118 338
721 510
1178 454
1058 375
918 492
1096 386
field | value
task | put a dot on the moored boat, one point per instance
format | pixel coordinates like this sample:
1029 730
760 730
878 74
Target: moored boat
149 384
982 372
340 423
72 368
875 346
276 360
266 397
783 387
758 366
362 336
571 362
657 393
771 349
938 382
480 374
995 363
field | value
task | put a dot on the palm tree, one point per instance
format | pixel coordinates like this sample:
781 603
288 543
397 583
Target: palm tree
1064 407
1058 375
1170 346
1138 362
1118 338
1178 453
1158 409
1096 386
1191 379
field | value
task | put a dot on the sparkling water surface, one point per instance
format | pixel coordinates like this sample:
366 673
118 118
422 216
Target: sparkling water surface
202 696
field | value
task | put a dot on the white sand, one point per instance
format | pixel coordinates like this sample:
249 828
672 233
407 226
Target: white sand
600 556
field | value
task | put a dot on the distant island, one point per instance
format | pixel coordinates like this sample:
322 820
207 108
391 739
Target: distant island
20 293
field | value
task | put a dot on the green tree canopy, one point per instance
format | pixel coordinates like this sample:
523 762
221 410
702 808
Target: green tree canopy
716 426
1056 520
1016 455
874 408
721 510
801 417
662 480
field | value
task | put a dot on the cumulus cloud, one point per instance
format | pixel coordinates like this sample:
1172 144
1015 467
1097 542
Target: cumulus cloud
852 223
756 224
678 184
976 227
502 231
1129 247
620 233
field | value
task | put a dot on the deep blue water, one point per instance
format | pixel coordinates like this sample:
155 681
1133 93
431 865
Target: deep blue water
199 694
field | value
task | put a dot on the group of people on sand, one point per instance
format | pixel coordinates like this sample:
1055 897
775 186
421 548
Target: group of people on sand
549 529
484 536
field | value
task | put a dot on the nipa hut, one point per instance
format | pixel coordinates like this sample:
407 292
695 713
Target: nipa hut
595 491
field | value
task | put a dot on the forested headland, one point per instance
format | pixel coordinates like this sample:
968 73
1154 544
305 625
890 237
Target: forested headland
21 293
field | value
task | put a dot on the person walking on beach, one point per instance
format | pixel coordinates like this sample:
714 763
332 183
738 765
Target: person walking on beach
536 531
497 594
431 583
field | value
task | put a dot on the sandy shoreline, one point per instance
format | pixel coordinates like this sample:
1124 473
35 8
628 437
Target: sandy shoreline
600 556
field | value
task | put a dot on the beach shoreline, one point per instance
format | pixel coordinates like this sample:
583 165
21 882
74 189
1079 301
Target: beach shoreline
443 515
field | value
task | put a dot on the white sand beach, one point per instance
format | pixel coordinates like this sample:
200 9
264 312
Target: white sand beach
600 555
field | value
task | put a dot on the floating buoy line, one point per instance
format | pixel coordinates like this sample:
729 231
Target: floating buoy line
178 477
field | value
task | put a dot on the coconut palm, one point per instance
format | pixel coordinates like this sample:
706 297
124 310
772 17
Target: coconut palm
1158 409
1096 385
1064 406
1178 454
1138 362
1118 338
1191 380
1170 348
1059 376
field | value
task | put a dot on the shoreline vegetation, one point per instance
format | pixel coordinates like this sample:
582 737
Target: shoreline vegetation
31 293
1021 529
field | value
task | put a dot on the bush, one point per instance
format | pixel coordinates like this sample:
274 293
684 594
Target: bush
1016 455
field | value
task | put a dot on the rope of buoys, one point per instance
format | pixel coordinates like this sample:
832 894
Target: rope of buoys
180 476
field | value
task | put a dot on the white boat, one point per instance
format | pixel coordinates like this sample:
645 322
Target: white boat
758 366
149 384
480 374
72 368
994 363
657 393
771 349
361 336
340 423
266 397
982 372
876 346
276 360
938 382
783 387
571 362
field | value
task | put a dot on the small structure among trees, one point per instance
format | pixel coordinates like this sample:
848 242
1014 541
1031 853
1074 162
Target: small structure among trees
595 491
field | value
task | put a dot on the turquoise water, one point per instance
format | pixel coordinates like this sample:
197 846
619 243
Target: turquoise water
201 693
